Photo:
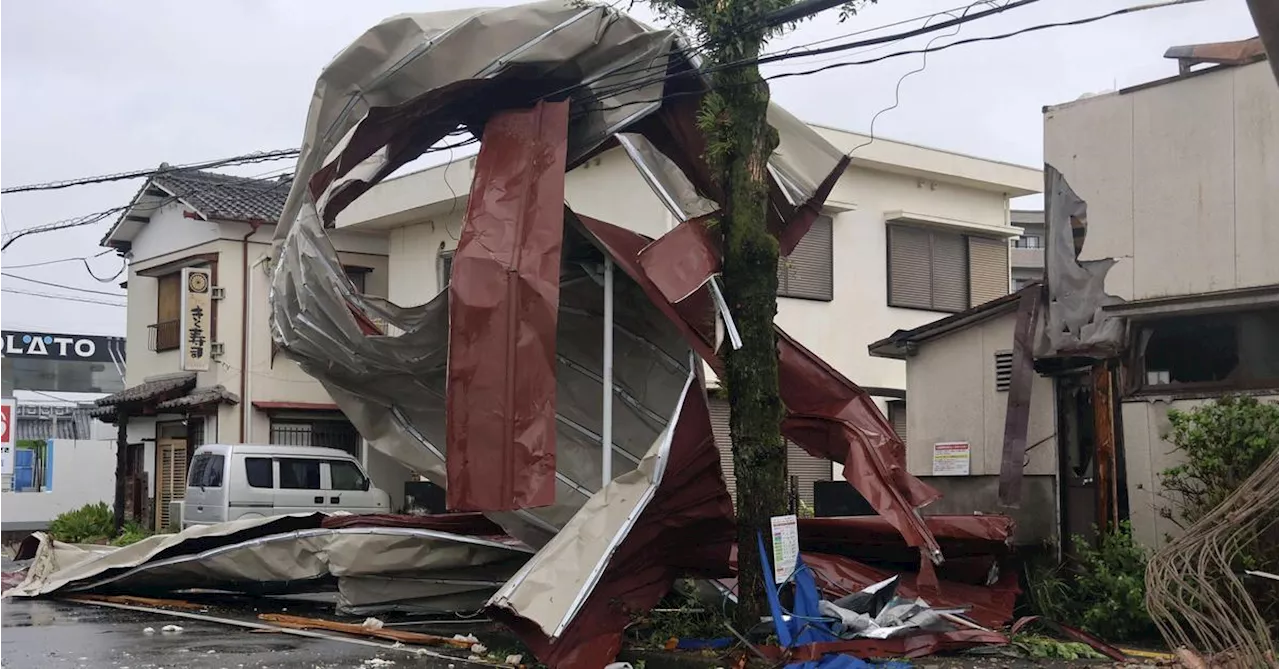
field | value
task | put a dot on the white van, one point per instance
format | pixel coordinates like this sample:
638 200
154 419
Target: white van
228 482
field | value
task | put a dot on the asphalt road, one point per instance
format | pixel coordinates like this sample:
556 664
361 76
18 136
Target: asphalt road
44 634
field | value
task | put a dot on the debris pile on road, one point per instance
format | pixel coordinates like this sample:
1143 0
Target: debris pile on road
493 389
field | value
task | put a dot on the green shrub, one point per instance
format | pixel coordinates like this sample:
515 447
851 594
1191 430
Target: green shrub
88 524
132 533
1101 590
1223 442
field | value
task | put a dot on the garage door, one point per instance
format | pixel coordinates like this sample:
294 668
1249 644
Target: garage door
799 463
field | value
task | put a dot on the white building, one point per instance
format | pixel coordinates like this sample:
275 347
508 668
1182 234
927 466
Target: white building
909 233
249 393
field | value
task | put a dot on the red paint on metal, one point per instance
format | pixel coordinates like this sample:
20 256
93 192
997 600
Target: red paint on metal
686 530
503 304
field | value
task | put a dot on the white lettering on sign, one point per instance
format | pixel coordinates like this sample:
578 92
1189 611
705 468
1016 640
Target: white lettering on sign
35 344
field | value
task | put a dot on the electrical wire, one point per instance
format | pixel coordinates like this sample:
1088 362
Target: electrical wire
255 157
69 298
60 285
897 54
924 63
83 259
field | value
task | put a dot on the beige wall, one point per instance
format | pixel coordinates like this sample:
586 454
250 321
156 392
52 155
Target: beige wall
952 396
1148 452
1180 181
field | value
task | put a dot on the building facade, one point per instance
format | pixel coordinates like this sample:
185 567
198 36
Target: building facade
241 390
1026 252
1161 273
908 234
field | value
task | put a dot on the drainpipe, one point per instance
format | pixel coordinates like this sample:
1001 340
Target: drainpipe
246 293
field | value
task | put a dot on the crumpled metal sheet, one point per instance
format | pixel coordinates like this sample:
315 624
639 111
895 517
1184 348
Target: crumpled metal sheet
1075 323
671 516
290 554
502 317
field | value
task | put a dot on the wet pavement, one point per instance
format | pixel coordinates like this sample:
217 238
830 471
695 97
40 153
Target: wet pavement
48 634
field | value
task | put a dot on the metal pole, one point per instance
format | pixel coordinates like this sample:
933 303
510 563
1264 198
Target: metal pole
606 410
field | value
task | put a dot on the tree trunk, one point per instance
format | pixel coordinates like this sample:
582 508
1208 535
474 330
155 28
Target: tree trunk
751 286
122 454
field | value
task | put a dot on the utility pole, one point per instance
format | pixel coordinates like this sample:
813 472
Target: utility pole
739 144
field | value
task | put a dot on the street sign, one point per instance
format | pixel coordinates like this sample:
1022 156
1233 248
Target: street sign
8 425
786 547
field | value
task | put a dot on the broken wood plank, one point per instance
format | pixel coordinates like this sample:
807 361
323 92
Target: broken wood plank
142 601
299 622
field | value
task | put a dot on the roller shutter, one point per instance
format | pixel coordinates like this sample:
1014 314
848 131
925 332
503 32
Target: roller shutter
807 273
807 468
909 272
950 283
898 417
988 269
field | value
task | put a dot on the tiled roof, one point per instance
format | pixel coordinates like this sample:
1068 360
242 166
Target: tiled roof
151 390
227 198
200 397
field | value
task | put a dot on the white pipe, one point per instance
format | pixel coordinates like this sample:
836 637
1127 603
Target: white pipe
606 384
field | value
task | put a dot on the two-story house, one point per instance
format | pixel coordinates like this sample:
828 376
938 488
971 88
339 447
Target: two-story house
908 234
238 389
1160 293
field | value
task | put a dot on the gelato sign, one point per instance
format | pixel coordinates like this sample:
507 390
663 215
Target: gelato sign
48 346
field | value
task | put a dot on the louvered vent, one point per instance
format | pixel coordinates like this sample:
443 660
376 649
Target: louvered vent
1004 370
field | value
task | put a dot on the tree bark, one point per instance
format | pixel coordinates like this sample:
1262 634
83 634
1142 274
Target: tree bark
751 286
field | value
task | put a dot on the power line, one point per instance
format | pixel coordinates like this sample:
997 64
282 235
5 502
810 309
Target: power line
69 298
59 260
63 286
896 54
255 157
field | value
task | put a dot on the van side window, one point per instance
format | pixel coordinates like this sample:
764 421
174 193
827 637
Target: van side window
206 471
345 475
258 471
299 474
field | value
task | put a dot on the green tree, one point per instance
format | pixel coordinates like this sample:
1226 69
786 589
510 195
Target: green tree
739 144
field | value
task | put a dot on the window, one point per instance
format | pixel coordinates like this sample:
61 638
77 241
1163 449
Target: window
32 466
807 272
945 271
444 268
297 474
206 471
1027 242
1220 351
165 334
898 418
327 431
357 276
258 472
344 475
1004 371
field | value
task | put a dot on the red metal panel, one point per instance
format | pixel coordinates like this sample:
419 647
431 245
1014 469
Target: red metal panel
686 530
503 303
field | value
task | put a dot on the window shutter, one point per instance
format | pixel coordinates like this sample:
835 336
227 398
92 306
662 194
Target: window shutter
950 262
1004 370
169 298
898 417
720 428
807 272
909 272
988 269
807 469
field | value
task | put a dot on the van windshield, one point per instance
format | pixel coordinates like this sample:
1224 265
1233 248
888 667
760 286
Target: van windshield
206 471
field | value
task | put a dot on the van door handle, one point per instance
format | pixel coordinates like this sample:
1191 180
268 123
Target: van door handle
319 500
333 500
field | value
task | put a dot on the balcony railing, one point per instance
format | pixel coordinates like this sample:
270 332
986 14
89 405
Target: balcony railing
164 336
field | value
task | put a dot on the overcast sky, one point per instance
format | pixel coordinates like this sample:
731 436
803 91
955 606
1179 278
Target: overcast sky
99 87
